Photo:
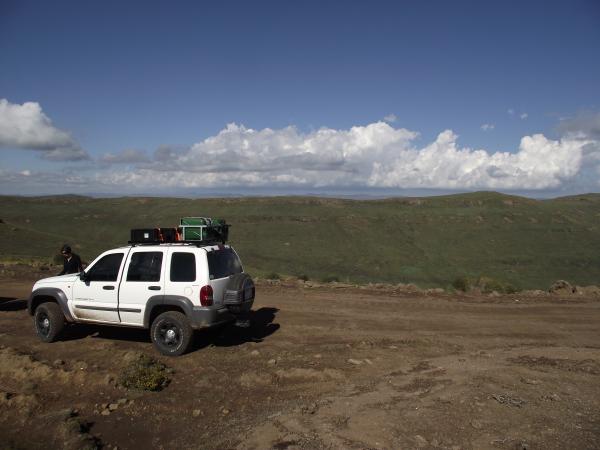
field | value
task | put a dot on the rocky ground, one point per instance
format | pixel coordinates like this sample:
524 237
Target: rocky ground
321 367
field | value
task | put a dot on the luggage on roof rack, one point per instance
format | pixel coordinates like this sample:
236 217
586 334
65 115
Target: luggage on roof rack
191 230
169 234
195 221
203 229
143 235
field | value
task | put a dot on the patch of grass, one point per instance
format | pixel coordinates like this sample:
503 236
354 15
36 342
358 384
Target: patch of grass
144 373
273 276
330 279
485 284
450 289
488 285
462 283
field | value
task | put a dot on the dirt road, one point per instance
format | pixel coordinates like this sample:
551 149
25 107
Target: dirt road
320 368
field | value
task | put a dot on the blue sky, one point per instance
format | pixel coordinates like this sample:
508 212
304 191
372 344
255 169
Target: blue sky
319 92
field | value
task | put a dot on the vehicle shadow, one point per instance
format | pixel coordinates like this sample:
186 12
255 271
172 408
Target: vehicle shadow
80 331
261 326
228 335
12 304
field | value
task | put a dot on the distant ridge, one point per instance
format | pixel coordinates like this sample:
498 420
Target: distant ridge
365 197
430 241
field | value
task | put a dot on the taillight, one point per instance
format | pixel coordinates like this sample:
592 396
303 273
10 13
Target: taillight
206 295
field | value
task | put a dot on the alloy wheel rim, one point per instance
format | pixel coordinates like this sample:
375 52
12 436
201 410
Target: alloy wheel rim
169 334
43 323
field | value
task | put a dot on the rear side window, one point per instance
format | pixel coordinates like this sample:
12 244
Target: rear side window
107 269
222 263
145 266
183 267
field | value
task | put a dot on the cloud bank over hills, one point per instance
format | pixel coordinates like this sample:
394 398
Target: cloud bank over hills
372 156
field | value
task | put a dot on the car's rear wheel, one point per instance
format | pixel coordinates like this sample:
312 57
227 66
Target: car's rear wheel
49 321
171 333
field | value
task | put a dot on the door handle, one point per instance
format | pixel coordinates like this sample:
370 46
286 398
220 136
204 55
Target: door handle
154 288
108 288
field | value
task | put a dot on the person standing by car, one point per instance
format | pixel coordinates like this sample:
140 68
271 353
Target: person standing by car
72 262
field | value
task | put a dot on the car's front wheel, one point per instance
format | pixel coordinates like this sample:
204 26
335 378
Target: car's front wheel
49 321
171 333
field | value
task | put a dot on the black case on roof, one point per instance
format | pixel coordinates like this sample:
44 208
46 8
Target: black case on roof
145 235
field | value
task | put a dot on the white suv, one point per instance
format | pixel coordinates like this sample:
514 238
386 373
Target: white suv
170 288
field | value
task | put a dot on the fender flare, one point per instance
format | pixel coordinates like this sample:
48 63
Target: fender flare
57 294
170 300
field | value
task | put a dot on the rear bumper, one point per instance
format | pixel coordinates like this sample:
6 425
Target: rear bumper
205 318
240 307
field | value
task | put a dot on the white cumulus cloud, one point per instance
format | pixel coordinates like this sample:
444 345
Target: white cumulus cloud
540 163
26 126
488 126
391 118
371 156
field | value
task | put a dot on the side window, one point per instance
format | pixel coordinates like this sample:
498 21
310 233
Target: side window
145 266
107 269
183 267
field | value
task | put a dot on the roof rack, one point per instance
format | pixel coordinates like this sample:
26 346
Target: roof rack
194 243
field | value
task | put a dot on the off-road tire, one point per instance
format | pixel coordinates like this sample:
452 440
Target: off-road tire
48 321
171 333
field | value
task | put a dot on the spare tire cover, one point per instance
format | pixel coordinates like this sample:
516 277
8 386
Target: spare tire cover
240 282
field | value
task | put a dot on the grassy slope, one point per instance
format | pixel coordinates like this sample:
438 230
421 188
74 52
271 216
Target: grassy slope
429 241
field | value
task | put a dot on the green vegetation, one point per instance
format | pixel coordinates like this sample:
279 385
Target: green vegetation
484 284
330 279
144 373
462 284
520 242
273 276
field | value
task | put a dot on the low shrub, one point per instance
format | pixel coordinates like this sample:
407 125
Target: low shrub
510 289
488 285
331 279
462 283
485 284
144 373
303 277
273 276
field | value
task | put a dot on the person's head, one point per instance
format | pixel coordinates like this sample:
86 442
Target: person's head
65 250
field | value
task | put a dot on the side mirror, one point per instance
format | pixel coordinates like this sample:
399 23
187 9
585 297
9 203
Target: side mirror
83 276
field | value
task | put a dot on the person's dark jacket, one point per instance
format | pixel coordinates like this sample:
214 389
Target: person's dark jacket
72 265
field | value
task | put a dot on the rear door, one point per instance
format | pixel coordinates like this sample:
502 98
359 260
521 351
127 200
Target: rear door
96 299
143 278
182 277
223 262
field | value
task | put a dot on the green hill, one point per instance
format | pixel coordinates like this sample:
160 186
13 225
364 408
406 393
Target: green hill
429 241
